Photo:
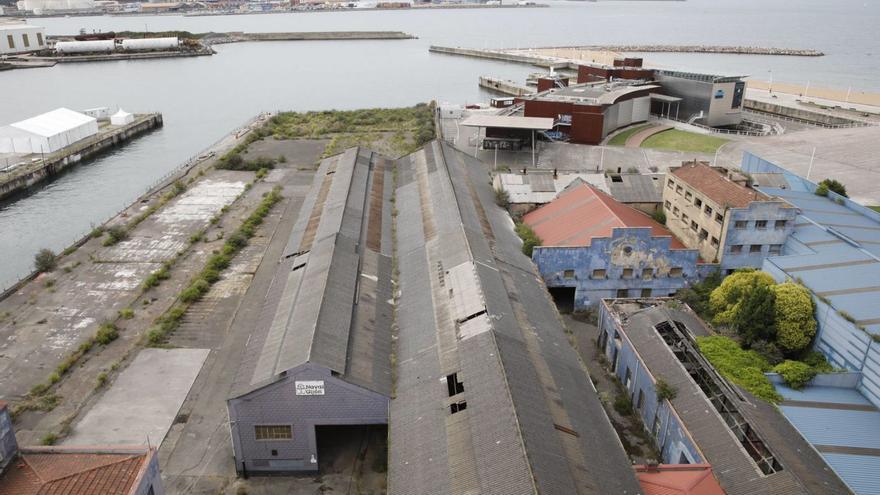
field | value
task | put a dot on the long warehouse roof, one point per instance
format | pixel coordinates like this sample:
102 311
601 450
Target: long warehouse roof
509 122
53 123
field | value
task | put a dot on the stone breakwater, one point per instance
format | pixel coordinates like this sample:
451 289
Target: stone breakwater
736 50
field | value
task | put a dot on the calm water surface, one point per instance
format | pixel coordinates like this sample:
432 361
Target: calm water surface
204 98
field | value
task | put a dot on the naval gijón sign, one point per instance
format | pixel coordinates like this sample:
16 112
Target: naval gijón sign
315 387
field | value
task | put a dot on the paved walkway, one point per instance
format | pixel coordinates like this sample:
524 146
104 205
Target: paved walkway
636 140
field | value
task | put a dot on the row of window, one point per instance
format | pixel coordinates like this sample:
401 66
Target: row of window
24 38
689 197
759 224
754 248
647 273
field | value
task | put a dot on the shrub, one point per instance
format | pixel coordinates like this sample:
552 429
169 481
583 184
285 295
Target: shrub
238 240
502 198
697 295
102 379
49 439
725 299
281 159
745 368
126 313
115 234
659 216
795 373
795 323
769 351
179 188
529 237
107 333
210 275
623 405
195 291
97 232
817 361
45 260
262 173
831 185
664 390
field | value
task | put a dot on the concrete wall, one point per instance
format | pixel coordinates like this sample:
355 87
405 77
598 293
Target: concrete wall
797 113
17 32
277 404
721 110
659 418
632 249
152 478
699 96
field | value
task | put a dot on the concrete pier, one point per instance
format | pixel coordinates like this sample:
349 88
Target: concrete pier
505 87
40 168
504 56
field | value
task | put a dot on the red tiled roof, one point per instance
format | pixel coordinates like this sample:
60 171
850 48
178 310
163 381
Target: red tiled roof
716 186
678 479
62 472
583 212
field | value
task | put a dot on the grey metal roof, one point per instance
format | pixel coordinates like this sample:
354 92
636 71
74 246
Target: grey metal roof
330 302
470 303
803 470
636 188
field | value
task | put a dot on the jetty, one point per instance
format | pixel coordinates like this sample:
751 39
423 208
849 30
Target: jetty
23 171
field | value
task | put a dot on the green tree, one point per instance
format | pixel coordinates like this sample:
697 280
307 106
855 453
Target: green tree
697 295
832 185
725 300
754 317
45 260
795 323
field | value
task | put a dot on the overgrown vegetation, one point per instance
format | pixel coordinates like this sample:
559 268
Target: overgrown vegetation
115 235
45 260
201 284
832 185
234 161
107 332
659 216
744 367
697 295
529 237
796 374
502 198
664 390
157 277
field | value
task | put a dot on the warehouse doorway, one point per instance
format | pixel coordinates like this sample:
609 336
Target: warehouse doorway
564 298
358 452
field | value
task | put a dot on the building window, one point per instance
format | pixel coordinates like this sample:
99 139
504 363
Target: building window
641 401
708 211
675 271
775 248
678 189
668 205
453 386
670 184
694 226
273 432
622 293
736 248
704 234
40 39
719 218
688 196
627 273
647 273
627 380
755 248
599 273
646 292
675 211
457 407
10 40
780 224
740 224
761 224
27 42
569 274
656 428
698 202
714 241
684 218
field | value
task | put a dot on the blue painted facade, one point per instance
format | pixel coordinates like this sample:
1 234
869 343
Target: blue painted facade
835 252
675 444
751 235
8 445
631 263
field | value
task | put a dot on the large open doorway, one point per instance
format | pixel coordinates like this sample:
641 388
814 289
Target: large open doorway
564 298
356 452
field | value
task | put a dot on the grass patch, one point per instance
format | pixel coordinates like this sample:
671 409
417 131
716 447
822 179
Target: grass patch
875 208
620 139
677 140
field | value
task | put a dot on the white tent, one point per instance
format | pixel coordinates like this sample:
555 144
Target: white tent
121 118
47 133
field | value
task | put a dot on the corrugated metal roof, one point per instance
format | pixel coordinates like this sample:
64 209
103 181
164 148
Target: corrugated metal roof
636 188
521 188
509 122
583 212
859 472
519 373
330 304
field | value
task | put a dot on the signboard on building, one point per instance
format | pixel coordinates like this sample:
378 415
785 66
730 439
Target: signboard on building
315 387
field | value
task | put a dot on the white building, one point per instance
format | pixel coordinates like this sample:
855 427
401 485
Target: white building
38 6
47 133
18 37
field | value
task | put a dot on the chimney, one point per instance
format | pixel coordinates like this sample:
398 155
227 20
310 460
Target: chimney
8 445
652 467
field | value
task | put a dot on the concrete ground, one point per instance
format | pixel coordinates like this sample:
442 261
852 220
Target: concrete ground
143 401
848 155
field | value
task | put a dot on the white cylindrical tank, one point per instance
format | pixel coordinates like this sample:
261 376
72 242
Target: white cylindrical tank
97 46
150 44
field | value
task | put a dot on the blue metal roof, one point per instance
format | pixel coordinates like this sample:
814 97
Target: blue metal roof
836 427
829 395
857 471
